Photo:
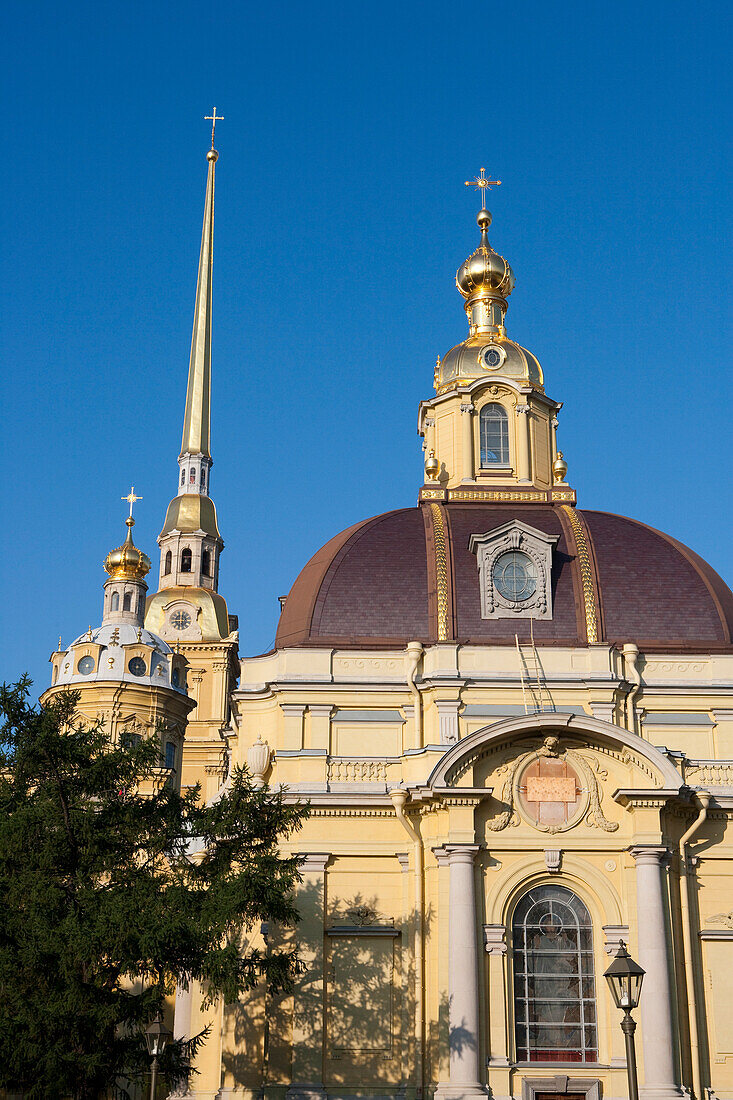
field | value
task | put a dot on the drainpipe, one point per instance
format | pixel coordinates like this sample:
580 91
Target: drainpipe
399 798
631 656
688 939
414 653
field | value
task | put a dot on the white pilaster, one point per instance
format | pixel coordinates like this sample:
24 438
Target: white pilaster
463 989
657 1024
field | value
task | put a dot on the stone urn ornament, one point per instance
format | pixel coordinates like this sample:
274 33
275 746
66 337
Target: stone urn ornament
258 760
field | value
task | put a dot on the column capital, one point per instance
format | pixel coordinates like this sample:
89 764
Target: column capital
313 862
461 853
467 407
650 854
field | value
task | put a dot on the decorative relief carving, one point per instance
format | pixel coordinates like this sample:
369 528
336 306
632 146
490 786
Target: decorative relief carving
726 919
655 667
586 574
585 801
367 664
441 571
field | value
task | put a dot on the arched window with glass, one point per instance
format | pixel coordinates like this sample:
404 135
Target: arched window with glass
127 601
115 602
186 560
168 562
494 436
554 983
206 563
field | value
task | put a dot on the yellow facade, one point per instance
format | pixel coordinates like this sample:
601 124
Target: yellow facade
482 758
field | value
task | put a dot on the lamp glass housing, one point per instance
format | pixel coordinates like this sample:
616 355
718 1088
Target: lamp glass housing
156 1037
624 977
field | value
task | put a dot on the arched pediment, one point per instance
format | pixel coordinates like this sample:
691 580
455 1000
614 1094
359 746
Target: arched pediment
653 768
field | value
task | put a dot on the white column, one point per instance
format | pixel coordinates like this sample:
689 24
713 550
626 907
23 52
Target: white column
463 985
657 1022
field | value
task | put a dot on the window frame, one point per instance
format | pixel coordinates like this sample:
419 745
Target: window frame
504 461
523 1005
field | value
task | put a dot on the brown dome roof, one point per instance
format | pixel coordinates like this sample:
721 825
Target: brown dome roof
375 584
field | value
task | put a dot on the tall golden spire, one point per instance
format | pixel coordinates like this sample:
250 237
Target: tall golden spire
198 396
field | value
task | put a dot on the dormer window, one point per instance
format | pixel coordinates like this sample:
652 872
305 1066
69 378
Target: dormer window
515 571
494 436
186 560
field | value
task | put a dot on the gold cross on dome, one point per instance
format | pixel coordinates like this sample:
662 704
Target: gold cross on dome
213 118
481 182
131 498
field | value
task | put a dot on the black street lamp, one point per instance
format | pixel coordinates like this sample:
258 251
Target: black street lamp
624 977
156 1036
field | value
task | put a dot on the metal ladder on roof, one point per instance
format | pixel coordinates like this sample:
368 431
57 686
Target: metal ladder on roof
535 693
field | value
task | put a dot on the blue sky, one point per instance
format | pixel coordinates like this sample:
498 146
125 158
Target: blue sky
341 219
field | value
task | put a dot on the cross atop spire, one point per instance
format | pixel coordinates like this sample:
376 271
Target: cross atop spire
131 499
481 182
213 118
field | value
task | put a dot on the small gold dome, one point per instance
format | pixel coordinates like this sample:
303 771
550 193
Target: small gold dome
485 270
126 561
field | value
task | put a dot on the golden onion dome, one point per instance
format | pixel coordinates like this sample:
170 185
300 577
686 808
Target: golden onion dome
485 271
126 561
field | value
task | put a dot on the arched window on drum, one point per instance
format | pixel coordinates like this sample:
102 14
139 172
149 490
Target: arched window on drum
494 436
554 983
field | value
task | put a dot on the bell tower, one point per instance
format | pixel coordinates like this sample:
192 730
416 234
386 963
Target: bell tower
187 610
490 432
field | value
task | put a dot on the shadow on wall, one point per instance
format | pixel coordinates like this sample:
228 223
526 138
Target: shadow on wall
368 1013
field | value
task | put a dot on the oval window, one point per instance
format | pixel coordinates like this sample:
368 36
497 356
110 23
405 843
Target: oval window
136 666
86 665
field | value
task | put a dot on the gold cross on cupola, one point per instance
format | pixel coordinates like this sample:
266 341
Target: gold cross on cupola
481 182
131 498
213 118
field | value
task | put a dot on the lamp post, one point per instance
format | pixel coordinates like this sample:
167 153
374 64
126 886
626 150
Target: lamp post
156 1036
624 977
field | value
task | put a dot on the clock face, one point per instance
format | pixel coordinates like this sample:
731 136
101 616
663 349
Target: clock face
491 357
86 665
180 620
137 666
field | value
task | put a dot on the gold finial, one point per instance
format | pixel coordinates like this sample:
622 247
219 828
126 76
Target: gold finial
131 498
59 649
482 183
213 118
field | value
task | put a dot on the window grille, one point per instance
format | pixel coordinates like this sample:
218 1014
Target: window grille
494 434
554 984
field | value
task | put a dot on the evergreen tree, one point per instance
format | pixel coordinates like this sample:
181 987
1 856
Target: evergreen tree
102 909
